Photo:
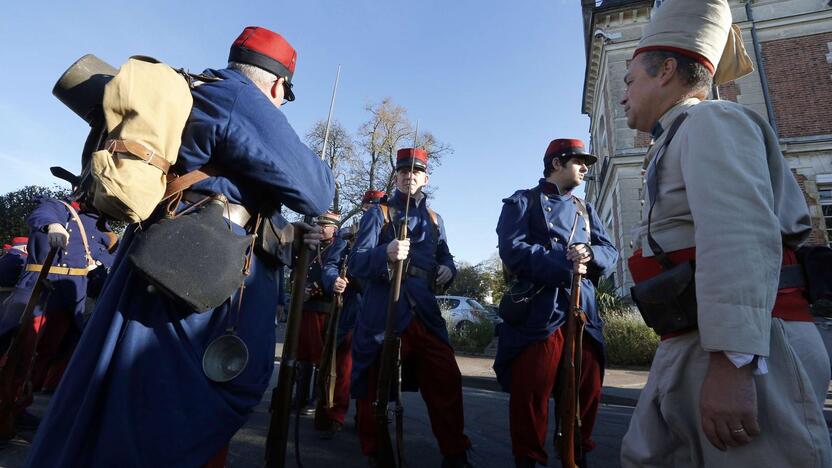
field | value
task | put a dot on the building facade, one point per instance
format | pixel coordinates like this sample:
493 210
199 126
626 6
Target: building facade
790 43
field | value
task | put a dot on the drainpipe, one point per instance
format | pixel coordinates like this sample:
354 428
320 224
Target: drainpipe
761 69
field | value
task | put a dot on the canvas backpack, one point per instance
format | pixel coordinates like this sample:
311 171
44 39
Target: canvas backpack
145 106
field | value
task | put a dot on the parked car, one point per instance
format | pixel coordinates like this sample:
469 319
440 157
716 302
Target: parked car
492 313
460 311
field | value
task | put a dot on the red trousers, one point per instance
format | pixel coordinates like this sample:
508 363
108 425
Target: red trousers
533 375
57 343
440 384
54 348
343 369
311 340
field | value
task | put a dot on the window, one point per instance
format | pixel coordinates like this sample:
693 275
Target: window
825 196
448 304
474 304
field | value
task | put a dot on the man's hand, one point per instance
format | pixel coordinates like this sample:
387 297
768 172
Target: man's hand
57 236
312 235
728 403
443 275
340 285
579 252
398 250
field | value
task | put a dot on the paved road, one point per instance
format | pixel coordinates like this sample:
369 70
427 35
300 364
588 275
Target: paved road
486 421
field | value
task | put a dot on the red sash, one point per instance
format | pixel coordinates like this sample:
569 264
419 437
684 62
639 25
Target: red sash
790 305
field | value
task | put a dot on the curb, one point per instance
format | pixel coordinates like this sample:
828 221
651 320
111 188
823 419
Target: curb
609 395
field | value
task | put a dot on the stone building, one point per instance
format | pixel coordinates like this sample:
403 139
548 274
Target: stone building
790 43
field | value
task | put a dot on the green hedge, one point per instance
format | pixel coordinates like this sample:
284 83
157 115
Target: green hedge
474 338
630 342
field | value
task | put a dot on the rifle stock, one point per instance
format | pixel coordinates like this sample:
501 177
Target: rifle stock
278 434
328 372
568 403
11 364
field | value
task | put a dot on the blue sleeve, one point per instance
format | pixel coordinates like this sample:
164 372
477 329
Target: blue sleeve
263 147
281 287
604 253
524 259
443 253
331 263
47 212
368 259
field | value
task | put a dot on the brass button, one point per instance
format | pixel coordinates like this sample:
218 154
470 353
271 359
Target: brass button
551 225
548 208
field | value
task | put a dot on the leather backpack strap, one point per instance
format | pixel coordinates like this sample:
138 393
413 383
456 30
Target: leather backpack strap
77 219
181 183
434 217
385 212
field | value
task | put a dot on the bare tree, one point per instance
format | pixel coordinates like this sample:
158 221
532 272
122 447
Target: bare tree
386 131
368 161
340 156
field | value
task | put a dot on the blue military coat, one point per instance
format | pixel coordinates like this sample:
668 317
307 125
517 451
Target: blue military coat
134 394
332 262
533 230
68 293
368 262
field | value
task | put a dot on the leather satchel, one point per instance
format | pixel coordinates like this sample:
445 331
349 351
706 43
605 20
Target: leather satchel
667 301
194 258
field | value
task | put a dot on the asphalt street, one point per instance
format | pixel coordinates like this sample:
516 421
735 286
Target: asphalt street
486 423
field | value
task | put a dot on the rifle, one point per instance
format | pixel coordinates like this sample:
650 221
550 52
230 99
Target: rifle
389 366
278 435
328 371
568 420
568 403
11 365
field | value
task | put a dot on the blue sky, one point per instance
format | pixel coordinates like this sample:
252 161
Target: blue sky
495 80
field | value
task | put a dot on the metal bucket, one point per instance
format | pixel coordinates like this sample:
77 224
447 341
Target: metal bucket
81 87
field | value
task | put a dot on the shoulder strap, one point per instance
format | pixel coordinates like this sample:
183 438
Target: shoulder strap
653 187
83 231
582 211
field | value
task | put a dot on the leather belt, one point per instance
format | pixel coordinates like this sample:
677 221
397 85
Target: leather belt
58 270
237 214
140 151
416 272
4 289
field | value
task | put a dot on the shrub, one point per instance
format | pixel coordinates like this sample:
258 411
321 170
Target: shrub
473 338
630 342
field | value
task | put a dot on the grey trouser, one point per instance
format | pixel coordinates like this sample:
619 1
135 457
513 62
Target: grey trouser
666 430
